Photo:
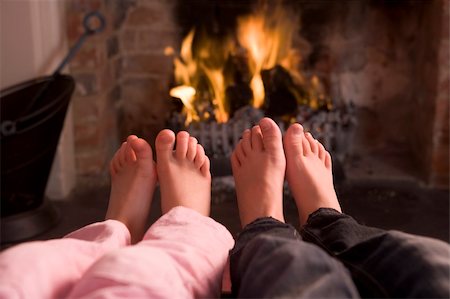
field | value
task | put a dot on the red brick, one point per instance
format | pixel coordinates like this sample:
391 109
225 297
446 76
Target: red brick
74 26
87 135
106 77
117 68
86 84
91 56
128 40
147 64
85 108
139 90
84 5
143 16
157 41
108 127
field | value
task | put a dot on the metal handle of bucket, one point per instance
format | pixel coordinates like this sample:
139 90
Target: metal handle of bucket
93 23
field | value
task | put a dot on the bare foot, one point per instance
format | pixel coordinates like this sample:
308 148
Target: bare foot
259 165
133 179
308 173
184 176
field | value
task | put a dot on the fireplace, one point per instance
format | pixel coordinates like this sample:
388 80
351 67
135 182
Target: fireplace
380 68
242 62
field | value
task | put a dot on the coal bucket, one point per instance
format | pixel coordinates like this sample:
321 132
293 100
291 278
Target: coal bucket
29 138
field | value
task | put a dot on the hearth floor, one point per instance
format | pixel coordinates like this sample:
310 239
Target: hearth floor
410 209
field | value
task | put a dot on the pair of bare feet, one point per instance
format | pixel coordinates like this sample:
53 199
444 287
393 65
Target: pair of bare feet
260 163
183 174
259 167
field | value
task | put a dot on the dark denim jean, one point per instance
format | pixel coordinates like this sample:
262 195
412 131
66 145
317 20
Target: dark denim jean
335 257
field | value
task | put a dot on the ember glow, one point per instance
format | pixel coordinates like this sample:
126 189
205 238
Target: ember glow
262 41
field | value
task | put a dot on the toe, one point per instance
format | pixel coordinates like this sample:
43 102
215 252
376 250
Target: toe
312 143
141 149
257 139
113 165
328 163
246 141
192 148
271 135
305 145
121 161
205 167
200 156
293 141
182 145
164 144
234 162
239 151
322 152
132 137
130 154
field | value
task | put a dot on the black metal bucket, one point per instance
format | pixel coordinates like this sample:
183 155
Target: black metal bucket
29 141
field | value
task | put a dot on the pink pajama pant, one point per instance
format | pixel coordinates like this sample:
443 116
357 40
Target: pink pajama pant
182 255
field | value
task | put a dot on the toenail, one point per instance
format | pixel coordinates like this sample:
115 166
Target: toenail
297 130
265 125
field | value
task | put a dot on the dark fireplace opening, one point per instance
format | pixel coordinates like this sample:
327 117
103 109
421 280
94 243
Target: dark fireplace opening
241 61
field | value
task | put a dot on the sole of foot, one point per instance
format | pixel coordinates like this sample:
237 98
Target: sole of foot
308 172
184 173
258 165
133 180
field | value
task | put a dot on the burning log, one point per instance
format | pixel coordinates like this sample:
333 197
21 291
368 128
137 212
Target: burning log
236 72
238 96
281 92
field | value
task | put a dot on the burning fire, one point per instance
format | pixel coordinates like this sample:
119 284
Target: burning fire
265 38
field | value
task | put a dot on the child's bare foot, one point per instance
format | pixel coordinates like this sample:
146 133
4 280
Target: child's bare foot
308 173
133 179
184 176
259 165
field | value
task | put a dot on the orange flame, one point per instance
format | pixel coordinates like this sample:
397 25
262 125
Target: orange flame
186 94
266 35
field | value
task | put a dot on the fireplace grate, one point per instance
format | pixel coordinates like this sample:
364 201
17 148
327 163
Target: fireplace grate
219 139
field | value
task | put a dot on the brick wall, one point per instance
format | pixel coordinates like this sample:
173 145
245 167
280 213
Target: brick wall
96 69
146 72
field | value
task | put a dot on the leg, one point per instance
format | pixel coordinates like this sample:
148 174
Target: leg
383 263
133 177
269 258
49 269
183 254
379 261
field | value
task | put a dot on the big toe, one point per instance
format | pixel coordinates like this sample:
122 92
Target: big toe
141 148
164 144
271 134
293 145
